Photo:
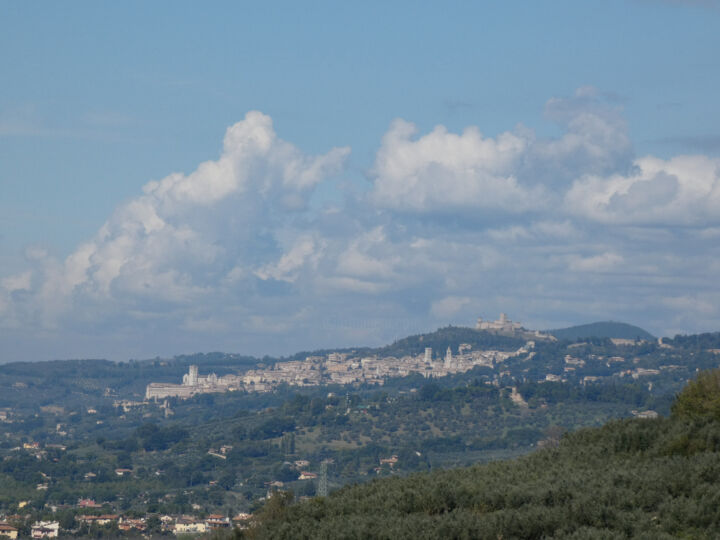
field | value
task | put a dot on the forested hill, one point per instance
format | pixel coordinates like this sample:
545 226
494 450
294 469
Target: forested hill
628 479
604 329
439 341
450 336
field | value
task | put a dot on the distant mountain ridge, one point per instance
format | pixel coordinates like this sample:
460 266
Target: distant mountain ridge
602 329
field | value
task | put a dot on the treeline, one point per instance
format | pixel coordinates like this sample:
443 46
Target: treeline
439 341
634 394
148 437
710 340
450 336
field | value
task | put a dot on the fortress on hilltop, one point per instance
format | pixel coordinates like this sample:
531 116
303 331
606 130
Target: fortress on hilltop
503 324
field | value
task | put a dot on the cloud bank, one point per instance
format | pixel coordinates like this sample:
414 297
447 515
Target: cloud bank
684 190
453 225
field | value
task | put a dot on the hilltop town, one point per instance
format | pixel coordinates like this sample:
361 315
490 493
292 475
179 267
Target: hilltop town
346 368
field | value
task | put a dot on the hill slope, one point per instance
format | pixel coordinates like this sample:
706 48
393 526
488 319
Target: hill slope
603 329
630 478
451 336
439 340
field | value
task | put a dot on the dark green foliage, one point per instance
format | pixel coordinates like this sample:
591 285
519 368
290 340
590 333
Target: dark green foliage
153 437
626 479
605 329
441 339
274 427
250 449
450 336
630 478
710 340
700 398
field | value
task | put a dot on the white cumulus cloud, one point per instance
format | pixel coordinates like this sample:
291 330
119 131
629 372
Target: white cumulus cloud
443 169
514 172
452 226
684 190
188 236
304 251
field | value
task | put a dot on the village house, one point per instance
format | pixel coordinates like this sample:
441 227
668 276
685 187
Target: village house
127 524
188 524
242 517
45 529
98 520
88 503
8 531
167 522
217 521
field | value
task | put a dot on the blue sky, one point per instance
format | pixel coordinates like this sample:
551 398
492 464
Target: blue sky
371 170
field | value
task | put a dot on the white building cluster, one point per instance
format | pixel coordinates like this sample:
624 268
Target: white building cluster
343 368
335 368
193 384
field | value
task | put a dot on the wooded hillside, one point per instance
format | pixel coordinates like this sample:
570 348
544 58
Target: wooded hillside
630 478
